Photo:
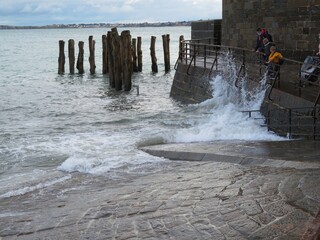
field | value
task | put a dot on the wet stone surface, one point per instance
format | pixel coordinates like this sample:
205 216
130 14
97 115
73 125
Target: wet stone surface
180 200
185 200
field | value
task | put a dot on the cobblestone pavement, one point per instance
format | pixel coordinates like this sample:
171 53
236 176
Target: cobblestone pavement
176 200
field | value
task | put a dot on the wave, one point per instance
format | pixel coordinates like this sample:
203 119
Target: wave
15 108
28 189
221 118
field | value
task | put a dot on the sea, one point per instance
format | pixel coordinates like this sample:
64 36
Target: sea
54 126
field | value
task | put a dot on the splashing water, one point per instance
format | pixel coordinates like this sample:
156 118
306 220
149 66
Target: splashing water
55 125
222 118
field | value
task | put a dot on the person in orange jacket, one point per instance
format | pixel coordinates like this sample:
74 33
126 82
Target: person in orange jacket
274 61
274 56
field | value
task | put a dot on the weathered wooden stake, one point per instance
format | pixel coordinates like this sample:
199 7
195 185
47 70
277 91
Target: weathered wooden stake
139 54
181 48
116 55
126 59
105 69
134 55
62 58
154 65
80 58
71 55
91 56
110 60
166 51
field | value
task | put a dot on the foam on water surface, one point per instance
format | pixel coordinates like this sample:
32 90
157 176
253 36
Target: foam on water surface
52 125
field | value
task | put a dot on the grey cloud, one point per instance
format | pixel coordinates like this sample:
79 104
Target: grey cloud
39 12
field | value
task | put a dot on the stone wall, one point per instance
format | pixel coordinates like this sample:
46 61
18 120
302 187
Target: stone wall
207 29
294 24
193 87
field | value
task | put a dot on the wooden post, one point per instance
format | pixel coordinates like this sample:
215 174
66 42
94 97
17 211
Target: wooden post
126 53
80 58
62 58
105 69
166 51
134 55
181 48
116 56
71 55
154 65
139 54
110 59
91 56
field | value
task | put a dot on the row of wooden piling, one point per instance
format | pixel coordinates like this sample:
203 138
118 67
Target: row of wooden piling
121 56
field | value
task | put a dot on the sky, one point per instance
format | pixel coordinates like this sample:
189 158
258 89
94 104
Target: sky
45 12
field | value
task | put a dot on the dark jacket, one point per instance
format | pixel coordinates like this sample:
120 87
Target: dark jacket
265 34
266 50
259 43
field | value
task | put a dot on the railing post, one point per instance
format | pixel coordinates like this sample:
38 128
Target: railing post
279 68
244 62
317 100
268 120
194 54
260 68
300 82
187 51
205 56
216 59
314 123
289 122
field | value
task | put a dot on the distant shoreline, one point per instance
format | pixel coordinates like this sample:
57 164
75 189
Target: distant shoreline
100 25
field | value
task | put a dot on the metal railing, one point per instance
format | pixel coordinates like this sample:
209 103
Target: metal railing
251 64
288 77
292 122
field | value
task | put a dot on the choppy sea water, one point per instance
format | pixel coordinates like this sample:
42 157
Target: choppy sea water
52 126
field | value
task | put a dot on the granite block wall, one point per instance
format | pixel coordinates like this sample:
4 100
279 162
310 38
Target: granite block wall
193 88
207 29
294 24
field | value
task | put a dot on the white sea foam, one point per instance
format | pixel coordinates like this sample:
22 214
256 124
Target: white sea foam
38 186
78 123
219 118
97 153
224 120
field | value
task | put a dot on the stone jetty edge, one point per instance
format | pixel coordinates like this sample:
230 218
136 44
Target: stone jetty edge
197 153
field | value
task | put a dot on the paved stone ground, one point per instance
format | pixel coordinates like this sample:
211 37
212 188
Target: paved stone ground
176 200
